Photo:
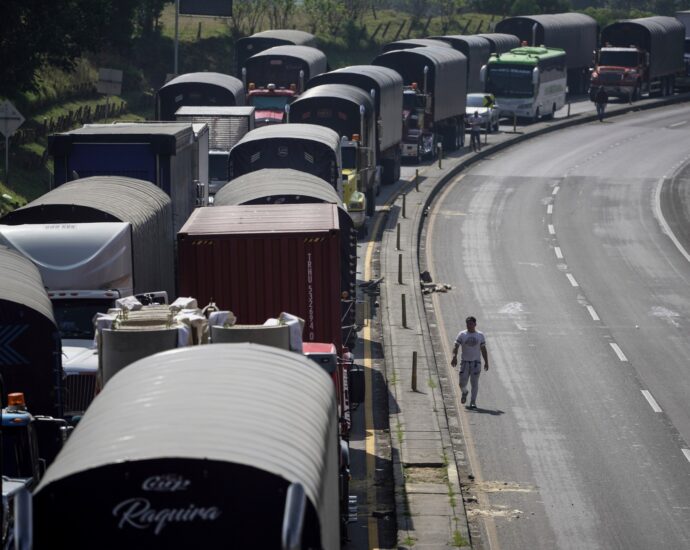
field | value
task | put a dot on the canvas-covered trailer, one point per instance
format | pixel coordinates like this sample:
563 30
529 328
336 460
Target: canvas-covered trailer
343 108
409 43
198 89
576 33
284 66
662 37
387 85
303 147
30 357
285 186
477 50
251 45
210 461
500 42
446 79
114 199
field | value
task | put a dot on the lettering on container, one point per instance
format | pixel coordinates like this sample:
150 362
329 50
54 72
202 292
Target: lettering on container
166 483
310 299
139 514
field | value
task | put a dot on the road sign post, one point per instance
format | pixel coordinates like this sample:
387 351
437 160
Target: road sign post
10 120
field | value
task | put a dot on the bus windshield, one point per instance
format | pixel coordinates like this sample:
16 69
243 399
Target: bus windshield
509 81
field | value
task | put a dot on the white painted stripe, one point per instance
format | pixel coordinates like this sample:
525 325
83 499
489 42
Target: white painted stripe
593 313
549 209
572 280
558 252
664 226
652 402
552 229
676 124
619 351
686 452
555 190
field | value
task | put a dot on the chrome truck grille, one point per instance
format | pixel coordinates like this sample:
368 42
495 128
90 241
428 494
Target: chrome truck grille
80 389
610 78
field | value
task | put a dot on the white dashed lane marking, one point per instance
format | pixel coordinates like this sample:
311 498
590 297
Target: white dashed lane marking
555 190
549 209
572 280
558 252
652 402
552 229
618 351
686 452
592 313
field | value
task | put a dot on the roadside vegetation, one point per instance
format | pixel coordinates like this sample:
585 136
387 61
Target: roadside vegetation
56 51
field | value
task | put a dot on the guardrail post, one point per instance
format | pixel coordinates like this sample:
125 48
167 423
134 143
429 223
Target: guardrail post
414 371
568 108
514 123
397 237
439 147
403 205
416 179
400 278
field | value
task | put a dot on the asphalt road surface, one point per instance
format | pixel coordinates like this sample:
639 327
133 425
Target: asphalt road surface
561 248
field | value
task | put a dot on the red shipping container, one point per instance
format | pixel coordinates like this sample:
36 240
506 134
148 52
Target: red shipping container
260 260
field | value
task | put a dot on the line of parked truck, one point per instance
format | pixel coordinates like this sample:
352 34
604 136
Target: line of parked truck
246 194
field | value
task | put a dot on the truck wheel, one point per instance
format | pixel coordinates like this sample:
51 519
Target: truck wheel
636 92
537 115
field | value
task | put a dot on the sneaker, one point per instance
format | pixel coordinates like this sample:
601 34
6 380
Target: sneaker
463 399
472 406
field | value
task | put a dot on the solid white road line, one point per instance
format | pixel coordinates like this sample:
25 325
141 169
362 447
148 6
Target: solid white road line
619 351
676 124
652 402
686 452
593 313
555 190
572 280
559 254
552 229
549 209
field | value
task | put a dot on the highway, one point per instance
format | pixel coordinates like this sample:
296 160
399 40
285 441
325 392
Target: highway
561 247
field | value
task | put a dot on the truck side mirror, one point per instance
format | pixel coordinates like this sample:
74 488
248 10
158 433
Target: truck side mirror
535 76
482 74
293 517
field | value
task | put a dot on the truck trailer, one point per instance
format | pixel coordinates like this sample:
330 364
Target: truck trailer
576 33
226 126
434 98
93 240
253 461
349 111
275 77
303 147
259 260
500 42
258 42
385 87
477 50
31 352
199 90
285 186
171 155
640 56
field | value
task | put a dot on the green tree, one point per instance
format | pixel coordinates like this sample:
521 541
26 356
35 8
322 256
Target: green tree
524 7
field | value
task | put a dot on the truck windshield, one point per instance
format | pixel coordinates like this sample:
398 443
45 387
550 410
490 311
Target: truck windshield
16 452
75 317
275 102
349 157
509 81
618 58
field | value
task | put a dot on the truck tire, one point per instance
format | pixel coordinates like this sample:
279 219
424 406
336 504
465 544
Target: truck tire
537 115
636 93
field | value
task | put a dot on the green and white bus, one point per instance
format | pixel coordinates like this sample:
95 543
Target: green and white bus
529 82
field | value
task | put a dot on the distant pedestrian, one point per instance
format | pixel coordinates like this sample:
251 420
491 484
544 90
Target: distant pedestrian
473 346
475 132
601 98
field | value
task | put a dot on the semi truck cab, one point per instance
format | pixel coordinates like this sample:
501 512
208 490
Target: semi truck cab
270 102
417 143
622 71
353 196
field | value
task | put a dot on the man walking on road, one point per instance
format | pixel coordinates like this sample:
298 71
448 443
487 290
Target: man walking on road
473 346
601 98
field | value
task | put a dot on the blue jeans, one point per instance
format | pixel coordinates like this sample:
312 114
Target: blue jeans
601 107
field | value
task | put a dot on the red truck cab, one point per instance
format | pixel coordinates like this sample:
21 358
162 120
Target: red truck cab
270 102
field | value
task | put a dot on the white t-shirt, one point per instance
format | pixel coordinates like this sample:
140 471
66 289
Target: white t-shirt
470 343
